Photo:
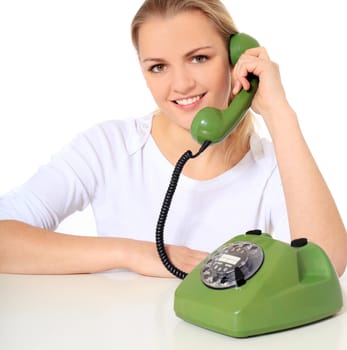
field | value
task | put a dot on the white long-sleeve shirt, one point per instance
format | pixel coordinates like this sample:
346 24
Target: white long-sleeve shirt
117 168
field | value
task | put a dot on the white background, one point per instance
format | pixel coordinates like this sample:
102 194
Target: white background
66 65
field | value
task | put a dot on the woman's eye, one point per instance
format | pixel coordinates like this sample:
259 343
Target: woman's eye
199 59
157 68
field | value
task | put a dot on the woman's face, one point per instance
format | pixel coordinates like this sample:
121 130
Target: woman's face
185 64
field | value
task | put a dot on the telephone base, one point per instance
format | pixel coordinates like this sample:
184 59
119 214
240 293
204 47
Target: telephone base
284 287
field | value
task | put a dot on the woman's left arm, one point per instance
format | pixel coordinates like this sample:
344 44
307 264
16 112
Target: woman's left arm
312 211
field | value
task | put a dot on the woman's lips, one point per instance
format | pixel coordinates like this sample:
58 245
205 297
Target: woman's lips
189 102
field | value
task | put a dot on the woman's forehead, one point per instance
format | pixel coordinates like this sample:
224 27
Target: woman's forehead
178 32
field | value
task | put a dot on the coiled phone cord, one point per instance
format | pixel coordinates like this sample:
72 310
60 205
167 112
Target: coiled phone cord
165 209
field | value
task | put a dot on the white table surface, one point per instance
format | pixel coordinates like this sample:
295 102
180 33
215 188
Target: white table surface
122 310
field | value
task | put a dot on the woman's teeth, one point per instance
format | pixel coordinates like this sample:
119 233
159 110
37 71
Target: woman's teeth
188 101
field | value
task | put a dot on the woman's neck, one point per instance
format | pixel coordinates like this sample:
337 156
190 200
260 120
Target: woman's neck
173 141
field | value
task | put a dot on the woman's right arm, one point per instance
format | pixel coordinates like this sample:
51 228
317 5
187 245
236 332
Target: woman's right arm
25 249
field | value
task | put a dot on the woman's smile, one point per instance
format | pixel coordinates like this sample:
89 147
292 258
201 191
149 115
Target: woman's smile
190 102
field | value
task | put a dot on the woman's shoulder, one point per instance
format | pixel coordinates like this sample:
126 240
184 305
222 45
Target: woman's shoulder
129 126
131 133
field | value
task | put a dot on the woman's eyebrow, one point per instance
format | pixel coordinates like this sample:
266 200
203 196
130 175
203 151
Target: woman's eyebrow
190 53
150 59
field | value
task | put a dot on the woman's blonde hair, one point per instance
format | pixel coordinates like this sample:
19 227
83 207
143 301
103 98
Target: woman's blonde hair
224 24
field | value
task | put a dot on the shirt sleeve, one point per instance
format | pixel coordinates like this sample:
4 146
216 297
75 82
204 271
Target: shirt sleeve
59 188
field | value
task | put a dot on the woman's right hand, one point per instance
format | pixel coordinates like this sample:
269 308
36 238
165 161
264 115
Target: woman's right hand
144 259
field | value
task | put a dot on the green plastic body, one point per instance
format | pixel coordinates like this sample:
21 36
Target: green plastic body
211 124
293 287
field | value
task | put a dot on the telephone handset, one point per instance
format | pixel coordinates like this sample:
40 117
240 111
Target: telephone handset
211 124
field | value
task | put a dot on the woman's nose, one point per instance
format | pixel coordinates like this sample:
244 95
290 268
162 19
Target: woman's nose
182 80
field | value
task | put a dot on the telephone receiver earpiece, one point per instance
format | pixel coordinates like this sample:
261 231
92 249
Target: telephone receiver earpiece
212 124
